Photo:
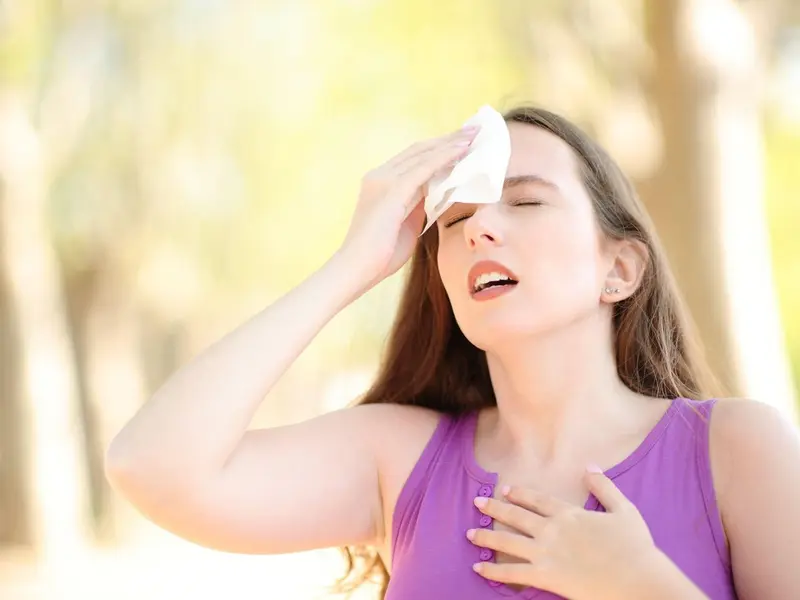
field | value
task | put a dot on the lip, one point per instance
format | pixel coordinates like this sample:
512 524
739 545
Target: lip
487 266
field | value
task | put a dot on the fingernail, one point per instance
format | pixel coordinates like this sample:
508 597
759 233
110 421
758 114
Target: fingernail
469 128
477 567
463 143
470 534
593 468
506 490
481 501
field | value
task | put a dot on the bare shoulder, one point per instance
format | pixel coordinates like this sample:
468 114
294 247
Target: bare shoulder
390 424
742 428
402 434
755 461
398 435
747 435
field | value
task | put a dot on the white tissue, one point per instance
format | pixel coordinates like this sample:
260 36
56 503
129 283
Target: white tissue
478 177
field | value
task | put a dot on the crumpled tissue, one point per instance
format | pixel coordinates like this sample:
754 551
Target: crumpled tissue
478 177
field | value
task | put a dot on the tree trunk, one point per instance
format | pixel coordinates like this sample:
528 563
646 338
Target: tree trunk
707 200
15 514
49 422
105 326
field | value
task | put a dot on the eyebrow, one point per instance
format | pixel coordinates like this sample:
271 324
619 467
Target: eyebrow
512 182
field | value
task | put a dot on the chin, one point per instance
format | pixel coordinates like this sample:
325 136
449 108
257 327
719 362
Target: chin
498 330
495 329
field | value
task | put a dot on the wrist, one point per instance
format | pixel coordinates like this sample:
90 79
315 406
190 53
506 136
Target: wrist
344 278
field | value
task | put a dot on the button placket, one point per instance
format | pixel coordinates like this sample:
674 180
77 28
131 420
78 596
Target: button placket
484 554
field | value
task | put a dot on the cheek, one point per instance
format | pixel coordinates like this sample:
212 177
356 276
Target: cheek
450 265
567 263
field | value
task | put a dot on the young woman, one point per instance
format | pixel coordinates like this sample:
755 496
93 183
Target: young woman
539 427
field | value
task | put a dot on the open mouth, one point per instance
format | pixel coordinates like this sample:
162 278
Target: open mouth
491 280
488 279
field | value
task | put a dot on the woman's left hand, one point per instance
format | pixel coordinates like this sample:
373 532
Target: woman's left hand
566 549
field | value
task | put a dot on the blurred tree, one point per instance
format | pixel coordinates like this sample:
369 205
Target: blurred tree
707 83
42 499
87 117
783 179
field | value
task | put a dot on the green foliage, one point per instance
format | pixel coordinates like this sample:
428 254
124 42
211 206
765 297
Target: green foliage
783 206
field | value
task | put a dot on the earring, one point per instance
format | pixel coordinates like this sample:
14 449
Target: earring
610 290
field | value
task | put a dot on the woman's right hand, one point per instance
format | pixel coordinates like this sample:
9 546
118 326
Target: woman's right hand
390 213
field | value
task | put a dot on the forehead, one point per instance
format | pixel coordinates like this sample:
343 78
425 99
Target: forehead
535 151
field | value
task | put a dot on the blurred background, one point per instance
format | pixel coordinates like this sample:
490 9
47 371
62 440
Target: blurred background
170 167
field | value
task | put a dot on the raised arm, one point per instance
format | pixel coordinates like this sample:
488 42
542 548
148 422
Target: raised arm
186 459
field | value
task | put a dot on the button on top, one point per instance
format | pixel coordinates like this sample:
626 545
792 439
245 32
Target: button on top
485 521
485 491
486 554
494 583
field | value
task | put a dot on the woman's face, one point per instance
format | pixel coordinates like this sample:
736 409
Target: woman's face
543 235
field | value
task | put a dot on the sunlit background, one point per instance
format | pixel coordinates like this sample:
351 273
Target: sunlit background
169 167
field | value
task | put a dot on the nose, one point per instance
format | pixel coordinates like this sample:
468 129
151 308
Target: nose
482 228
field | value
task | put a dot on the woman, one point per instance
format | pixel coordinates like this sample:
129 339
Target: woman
539 413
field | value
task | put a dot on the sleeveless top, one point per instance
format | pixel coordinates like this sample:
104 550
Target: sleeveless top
668 478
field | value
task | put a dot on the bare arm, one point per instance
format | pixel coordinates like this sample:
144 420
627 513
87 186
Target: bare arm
186 462
186 459
756 459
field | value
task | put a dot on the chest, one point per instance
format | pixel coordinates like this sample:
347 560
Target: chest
439 564
433 558
568 489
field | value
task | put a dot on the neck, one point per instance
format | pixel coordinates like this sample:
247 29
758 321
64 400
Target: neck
558 392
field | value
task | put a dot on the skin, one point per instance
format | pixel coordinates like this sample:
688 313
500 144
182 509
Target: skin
188 461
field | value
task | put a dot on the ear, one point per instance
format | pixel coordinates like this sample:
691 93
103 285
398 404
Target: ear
629 258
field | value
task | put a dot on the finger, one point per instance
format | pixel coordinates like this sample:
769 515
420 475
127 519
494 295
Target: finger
513 573
424 147
605 491
409 185
512 515
503 541
422 168
535 501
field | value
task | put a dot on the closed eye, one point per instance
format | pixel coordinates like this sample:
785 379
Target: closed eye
456 219
513 202
525 201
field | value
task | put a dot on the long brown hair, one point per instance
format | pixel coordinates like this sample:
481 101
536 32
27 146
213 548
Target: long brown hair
428 361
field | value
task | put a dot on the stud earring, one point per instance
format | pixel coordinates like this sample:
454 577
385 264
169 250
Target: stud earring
610 290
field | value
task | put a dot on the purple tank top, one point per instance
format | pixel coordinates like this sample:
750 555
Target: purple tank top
668 478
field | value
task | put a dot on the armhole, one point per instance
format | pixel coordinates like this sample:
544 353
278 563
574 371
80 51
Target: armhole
707 481
414 486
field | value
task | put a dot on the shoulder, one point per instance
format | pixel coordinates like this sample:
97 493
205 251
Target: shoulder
749 429
749 437
386 422
383 434
397 433
755 459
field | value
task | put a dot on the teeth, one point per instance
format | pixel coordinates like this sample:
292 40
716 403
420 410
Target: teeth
485 279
